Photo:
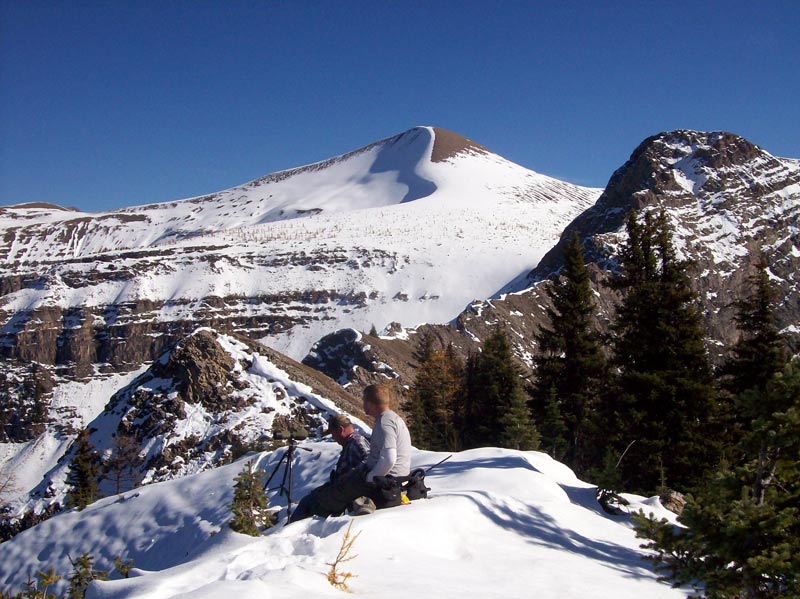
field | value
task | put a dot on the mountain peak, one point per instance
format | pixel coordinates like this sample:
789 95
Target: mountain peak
712 172
715 149
447 144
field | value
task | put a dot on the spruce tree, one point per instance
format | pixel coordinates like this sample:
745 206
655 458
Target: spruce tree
121 466
662 409
496 411
84 473
571 367
553 428
45 581
759 352
250 503
742 530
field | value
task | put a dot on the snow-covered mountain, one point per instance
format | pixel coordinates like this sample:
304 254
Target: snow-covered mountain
100 318
497 523
729 203
408 229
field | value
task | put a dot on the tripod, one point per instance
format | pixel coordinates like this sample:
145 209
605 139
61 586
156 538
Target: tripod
287 460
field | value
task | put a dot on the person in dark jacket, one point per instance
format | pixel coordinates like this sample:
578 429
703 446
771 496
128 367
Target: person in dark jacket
355 450
389 457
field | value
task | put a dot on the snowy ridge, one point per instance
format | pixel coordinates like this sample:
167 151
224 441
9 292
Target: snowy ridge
178 431
497 523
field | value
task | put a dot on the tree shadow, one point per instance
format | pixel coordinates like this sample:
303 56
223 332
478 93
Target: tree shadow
539 528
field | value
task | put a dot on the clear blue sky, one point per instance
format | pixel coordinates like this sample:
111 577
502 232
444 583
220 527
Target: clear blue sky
112 104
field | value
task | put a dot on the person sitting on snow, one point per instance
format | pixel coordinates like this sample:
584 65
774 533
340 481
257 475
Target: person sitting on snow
389 456
355 450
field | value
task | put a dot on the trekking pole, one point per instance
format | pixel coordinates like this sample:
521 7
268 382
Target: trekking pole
439 463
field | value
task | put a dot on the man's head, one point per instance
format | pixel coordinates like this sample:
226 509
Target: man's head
377 399
339 427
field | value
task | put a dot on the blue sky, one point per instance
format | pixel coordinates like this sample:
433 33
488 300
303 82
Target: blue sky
112 104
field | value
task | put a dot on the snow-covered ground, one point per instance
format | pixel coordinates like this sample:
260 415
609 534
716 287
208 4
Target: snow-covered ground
497 523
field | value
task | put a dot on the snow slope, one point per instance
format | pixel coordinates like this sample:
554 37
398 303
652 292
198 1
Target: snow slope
497 523
74 405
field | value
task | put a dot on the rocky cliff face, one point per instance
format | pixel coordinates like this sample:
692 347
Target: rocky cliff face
729 202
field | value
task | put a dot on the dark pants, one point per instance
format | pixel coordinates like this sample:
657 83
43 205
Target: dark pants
332 499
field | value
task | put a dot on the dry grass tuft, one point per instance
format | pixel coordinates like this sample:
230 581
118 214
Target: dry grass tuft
340 579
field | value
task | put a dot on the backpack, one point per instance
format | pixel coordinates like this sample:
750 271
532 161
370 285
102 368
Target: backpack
390 489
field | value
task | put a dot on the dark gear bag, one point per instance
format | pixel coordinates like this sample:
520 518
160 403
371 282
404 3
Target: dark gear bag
415 487
388 491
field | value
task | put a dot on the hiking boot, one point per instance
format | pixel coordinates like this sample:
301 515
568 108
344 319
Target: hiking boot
361 507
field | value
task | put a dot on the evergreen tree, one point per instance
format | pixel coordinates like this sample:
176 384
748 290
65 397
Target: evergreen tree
517 430
742 535
496 412
759 353
663 407
83 573
45 580
84 473
121 466
571 367
250 503
553 429
434 408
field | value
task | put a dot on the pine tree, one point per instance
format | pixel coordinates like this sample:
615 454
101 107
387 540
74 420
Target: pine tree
84 473
742 535
759 352
571 367
250 503
517 430
45 580
663 407
496 412
553 428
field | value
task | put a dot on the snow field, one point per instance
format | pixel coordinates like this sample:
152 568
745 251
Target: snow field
497 523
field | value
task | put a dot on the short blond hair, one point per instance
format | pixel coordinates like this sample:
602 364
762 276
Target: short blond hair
378 395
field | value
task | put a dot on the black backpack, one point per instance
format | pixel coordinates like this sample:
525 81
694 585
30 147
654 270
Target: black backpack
415 485
389 488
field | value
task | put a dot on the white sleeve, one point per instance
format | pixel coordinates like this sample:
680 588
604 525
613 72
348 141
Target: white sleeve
385 462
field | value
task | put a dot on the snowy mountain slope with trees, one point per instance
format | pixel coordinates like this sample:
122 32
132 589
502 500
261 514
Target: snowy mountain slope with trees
644 411
496 523
199 405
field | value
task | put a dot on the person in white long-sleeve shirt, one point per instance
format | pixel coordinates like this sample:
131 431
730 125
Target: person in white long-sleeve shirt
390 445
389 454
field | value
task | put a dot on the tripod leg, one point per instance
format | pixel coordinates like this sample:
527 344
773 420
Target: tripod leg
274 471
289 493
